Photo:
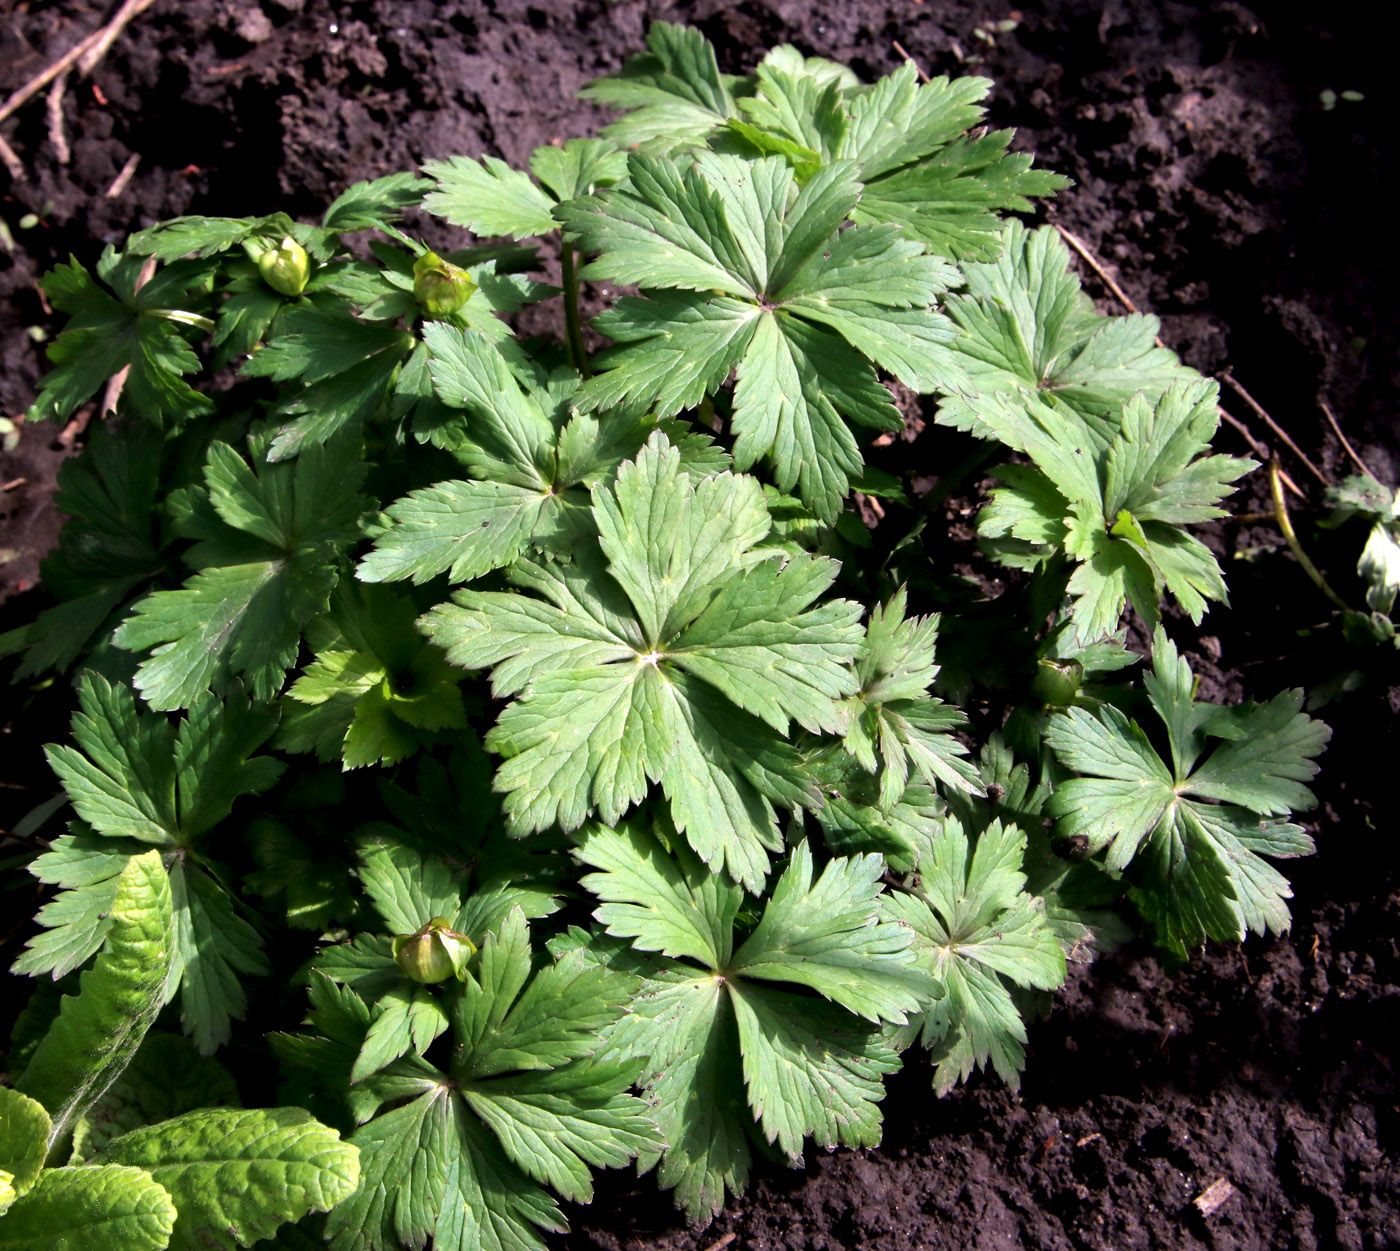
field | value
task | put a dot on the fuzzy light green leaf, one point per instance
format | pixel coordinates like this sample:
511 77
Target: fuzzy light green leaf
24 1142
98 1032
72 1208
238 1174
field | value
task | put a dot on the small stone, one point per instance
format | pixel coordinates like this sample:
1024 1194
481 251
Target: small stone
1209 1201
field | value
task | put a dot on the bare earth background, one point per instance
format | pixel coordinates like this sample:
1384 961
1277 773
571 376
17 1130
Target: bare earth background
1224 197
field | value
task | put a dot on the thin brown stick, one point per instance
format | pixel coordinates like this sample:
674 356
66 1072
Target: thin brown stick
1229 380
12 483
107 36
1125 300
87 51
11 162
1257 448
918 69
74 429
123 176
1346 444
1092 262
54 108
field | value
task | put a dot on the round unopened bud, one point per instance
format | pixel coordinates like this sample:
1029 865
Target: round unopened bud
285 267
1057 681
440 287
433 954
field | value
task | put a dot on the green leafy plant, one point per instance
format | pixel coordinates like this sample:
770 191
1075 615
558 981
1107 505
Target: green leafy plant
1194 831
222 1177
531 753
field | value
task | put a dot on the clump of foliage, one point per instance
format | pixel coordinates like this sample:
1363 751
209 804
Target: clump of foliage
530 756
106 1136
1362 498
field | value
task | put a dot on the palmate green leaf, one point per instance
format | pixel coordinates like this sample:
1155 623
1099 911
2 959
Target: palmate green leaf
810 1071
238 1174
345 365
802 309
523 1106
894 722
406 1018
429 1169
373 204
667 670
90 1207
852 820
76 920
376 691
1116 508
578 167
675 92
531 464
407 888
136 775
1191 834
1080 899
1027 326
908 144
24 1142
488 197
269 571
98 1032
140 328
215 951
722 1047
826 935
979 933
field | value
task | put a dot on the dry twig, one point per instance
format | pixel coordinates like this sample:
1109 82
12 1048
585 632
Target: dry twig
1346 444
1092 262
1229 380
85 54
918 69
11 161
1234 422
54 108
123 176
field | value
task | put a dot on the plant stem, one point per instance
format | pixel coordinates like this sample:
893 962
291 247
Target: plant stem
184 318
1286 527
573 324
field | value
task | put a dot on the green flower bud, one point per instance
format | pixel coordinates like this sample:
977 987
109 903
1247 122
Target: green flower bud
434 953
285 267
1057 681
440 287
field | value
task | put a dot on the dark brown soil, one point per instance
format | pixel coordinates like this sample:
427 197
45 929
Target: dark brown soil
1224 197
